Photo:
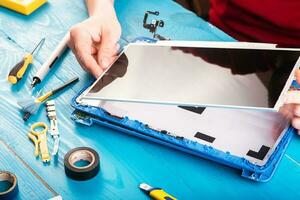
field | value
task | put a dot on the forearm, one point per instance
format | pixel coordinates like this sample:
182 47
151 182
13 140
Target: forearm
96 7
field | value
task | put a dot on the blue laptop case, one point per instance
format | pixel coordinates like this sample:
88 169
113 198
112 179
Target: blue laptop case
89 116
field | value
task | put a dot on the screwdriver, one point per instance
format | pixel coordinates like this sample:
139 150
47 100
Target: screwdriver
48 65
17 72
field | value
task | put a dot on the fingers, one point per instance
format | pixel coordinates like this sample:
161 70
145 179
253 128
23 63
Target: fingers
297 110
296 118
95 44
292 111
108 48
297 76
81 44
117 48
296 123
94 50
292 97
287 111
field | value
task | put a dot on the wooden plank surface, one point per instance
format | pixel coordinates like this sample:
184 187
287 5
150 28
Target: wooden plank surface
125 161
30 186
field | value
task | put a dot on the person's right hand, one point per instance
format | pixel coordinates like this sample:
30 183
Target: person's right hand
95 41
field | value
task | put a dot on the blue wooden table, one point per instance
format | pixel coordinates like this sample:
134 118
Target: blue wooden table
125 161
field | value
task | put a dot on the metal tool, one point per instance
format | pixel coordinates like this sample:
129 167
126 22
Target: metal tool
56 198
25 7
47 66
51 113
30 106
17 72
12 190
39 138
156 193
152 27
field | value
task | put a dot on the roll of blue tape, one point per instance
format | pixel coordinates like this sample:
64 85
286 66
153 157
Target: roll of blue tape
12 190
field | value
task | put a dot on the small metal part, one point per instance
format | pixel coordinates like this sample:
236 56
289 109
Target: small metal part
56 198
145 187
156 193
26 116
51 113
159 37
152 27
35 82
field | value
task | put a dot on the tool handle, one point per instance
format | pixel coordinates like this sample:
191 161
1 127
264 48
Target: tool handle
17 72
160 194
70 82
50 93
41 139
44 97
61 47
35 142
44 147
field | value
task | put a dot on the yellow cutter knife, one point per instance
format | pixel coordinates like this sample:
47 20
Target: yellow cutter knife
156 193
25 7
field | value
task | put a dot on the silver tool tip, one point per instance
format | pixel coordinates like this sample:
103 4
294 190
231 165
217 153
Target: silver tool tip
34 82
145 187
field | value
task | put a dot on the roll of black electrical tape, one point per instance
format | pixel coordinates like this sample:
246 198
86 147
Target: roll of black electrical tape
82 154
12 190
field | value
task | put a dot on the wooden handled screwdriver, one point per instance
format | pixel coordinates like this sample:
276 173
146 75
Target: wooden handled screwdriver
17 72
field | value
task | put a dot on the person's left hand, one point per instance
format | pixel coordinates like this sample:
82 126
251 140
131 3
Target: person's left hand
293 104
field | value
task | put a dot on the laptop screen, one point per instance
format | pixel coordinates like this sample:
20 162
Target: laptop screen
199 76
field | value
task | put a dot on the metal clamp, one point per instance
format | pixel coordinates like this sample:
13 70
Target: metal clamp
153 25
51 113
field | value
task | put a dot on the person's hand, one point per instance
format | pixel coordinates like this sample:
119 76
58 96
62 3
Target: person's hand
95 41
293 104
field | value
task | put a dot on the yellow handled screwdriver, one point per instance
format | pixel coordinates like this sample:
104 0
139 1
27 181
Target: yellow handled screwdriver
30 106
17 72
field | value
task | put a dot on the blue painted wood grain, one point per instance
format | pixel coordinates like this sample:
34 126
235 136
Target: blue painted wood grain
125 161
30 187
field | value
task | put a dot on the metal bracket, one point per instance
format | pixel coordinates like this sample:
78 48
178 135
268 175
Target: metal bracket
51 113
152 27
